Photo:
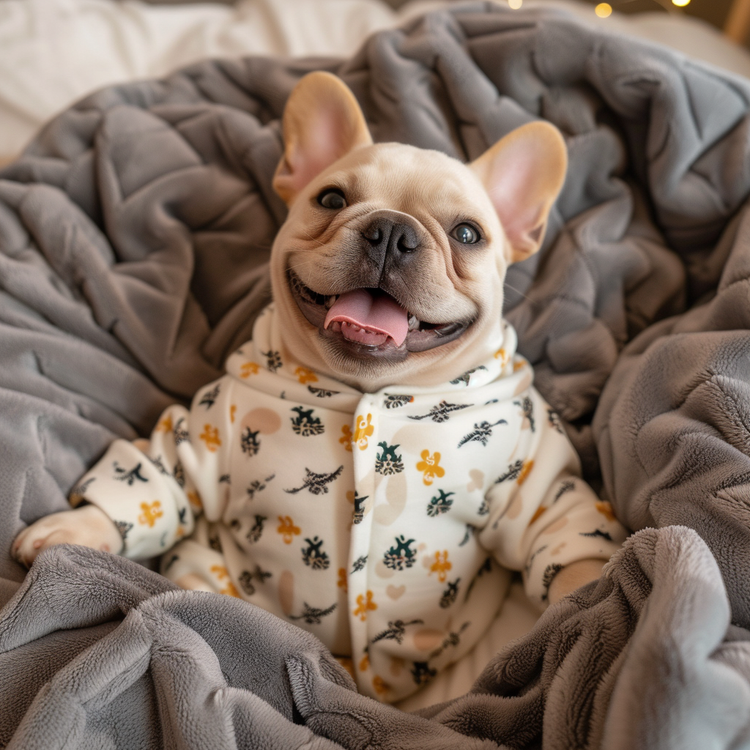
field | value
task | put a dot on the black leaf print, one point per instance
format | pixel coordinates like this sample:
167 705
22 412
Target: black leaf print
422 672
401 555
452 640
312 615
450 594
359 564
181 435
248 579
359 508
567 486
395 402
249 442
313 556
395 631
321 392
209 397
555 421
130 476
527 567
513 472
225 479
179 474
603 534
305 424
388 461
257 486
124 528
442 412
256 531
159 464
467 376
316 484
440 504
527 409
481 433
273 360
470 531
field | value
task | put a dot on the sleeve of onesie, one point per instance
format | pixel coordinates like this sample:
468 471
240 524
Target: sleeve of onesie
152 489
542 514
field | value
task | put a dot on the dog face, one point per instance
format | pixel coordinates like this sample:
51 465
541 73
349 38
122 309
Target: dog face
390 266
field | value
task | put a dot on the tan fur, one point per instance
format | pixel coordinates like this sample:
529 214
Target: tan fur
434 192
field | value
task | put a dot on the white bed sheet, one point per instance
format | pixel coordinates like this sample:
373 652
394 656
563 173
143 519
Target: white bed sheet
53 52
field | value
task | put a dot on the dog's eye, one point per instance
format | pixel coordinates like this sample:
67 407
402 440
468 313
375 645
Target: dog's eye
332 198
465 234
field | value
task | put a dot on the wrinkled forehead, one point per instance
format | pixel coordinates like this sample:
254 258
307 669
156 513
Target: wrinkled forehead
408 179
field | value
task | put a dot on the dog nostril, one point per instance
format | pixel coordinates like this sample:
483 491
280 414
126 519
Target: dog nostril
405 246
373 235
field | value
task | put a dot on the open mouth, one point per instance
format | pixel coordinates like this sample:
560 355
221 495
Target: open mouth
370 320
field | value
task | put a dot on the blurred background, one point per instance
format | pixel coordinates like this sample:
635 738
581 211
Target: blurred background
53 52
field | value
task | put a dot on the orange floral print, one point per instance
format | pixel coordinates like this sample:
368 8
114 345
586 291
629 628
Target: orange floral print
606 510
287 529
305 376
364 604
165 425
430 466
223 575
210 437
364 429
346 437
343 582
248 369
441 566
151 512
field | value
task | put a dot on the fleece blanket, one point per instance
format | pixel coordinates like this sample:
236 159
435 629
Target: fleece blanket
134 233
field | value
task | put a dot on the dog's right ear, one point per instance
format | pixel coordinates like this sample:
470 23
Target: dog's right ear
322 122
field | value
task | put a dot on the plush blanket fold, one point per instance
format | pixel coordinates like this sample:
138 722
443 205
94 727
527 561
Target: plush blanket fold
134 233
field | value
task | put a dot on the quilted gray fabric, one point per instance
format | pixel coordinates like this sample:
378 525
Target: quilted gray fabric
133 238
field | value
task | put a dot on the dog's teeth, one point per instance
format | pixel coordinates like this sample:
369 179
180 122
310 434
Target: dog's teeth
413 322
330 301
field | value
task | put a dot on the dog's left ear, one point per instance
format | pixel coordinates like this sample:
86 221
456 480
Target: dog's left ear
523 174
322 122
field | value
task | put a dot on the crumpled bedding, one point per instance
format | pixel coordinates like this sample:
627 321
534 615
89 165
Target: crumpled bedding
133 238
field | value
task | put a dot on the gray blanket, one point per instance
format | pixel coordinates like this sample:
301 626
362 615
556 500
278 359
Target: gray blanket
134 233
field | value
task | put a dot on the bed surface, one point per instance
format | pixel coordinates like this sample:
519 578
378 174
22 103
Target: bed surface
134 232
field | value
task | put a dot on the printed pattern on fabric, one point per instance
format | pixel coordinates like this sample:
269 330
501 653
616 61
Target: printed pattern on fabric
302 483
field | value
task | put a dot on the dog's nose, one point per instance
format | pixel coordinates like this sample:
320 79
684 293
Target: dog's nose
389 237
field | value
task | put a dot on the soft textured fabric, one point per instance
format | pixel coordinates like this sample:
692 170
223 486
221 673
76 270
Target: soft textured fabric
133 237
384 523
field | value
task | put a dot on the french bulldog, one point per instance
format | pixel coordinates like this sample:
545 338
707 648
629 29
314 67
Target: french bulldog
385 342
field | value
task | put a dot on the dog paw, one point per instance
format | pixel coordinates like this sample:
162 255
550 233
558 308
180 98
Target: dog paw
88 526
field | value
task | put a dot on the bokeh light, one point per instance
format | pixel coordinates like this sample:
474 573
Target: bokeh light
603 10
516 4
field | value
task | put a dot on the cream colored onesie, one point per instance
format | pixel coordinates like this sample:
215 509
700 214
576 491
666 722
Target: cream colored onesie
384 523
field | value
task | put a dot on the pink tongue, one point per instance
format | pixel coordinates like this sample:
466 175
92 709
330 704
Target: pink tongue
376 315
